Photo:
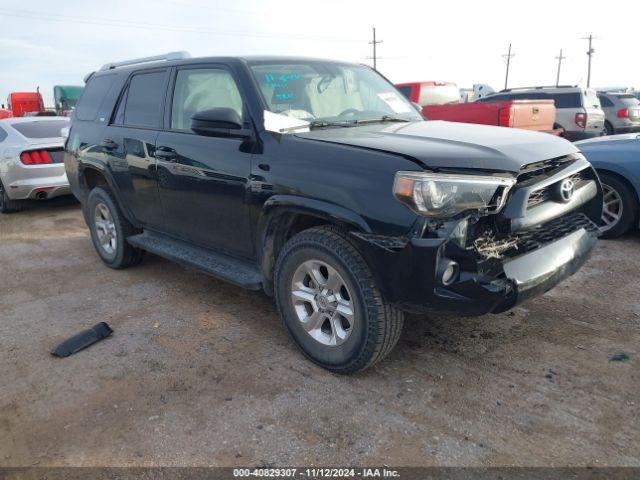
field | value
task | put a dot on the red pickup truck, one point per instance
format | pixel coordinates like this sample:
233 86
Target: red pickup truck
25 102
441 101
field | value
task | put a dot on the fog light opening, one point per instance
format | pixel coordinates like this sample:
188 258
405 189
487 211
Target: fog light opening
448 272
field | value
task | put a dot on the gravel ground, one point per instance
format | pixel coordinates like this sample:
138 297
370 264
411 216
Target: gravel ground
199 372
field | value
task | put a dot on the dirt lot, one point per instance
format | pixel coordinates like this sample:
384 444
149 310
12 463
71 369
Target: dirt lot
199 372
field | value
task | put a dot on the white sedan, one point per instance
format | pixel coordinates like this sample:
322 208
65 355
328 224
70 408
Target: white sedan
31 160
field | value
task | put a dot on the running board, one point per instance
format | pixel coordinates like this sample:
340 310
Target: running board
239 272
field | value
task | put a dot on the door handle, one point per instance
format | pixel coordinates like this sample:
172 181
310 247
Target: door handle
166 153
109 144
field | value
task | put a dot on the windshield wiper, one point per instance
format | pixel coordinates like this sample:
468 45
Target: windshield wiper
324 123
384 118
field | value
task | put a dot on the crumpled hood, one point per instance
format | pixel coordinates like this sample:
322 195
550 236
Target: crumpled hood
439 144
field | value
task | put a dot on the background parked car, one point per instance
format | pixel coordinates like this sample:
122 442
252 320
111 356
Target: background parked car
622 112
617 160
578 109
31 160
442 101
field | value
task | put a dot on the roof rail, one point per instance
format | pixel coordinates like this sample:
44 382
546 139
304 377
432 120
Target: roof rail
156 58
538 88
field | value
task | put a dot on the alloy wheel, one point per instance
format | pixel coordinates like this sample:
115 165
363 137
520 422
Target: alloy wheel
105 229
323 303
611 208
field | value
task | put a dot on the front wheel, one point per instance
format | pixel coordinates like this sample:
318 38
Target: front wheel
330 305
620 207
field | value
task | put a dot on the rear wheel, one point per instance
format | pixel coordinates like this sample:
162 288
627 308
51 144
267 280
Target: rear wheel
6 204
608 128
620 207
110 229
330 305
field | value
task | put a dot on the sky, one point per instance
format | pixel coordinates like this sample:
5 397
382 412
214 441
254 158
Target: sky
45 43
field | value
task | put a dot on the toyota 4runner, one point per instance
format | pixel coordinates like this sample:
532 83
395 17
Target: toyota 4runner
318 182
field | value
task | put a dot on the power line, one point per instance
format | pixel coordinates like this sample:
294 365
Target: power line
559 58
173 28
508 58
374 42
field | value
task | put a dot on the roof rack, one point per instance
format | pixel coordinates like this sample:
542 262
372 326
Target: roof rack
538 88
156 58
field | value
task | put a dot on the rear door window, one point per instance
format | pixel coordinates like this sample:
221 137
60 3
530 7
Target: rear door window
93 96
41 129
145 100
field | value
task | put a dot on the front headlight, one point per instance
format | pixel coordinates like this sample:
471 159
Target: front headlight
443 195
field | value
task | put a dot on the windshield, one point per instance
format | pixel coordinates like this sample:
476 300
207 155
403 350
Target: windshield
329 92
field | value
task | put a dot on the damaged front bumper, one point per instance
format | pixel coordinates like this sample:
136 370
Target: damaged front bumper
537 241
409 277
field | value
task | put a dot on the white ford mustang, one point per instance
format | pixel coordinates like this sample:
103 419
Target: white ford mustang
31 160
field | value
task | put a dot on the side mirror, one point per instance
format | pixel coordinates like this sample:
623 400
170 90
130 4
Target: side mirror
217 121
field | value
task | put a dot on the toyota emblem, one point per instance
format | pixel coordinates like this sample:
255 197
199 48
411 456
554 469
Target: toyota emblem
567 187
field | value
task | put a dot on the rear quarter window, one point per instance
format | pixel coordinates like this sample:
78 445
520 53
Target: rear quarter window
3 134
43 129
604 101
567 100
93 96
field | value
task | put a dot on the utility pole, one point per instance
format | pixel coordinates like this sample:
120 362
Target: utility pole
559 58
590 53
508 57
374 43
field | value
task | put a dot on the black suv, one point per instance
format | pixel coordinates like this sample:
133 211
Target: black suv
317 182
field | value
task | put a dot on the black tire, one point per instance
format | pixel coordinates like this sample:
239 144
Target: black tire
123 255
608 128
7 205
629 201
377 325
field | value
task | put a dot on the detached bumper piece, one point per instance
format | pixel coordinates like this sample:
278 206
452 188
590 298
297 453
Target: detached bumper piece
82 340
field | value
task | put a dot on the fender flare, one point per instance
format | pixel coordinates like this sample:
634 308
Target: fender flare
275 219
100 168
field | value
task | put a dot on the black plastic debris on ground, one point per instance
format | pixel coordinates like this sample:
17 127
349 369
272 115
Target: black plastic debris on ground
619 357
82 340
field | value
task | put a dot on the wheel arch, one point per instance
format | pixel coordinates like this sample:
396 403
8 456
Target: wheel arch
283 216
632 188
623 179
91 176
